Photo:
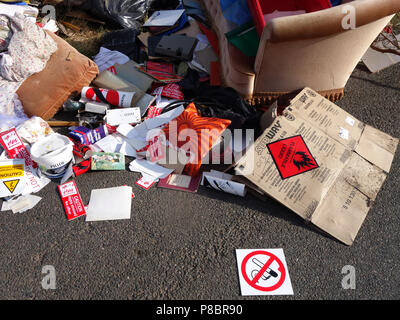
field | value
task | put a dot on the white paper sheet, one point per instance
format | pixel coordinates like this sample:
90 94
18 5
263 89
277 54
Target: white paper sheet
164 18
164 118
137 136
149 168
111 143
127 150
110 204
221 184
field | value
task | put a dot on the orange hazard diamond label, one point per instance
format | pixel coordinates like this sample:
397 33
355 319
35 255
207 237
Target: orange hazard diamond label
292 156
11 184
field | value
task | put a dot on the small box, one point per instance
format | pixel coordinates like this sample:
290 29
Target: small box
177 46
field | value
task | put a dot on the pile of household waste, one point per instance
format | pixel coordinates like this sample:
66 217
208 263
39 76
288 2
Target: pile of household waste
150 101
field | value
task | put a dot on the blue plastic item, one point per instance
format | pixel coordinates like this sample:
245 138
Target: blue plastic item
336 2
236 11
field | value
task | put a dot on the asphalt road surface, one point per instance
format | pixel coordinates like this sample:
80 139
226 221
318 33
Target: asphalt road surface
182 246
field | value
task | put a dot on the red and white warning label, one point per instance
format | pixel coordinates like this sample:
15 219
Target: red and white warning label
72 200
263 272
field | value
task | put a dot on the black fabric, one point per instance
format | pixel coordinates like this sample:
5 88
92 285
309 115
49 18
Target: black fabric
152 43
220 102
124 41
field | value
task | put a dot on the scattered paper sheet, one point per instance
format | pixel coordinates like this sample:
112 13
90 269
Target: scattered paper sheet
110 204
222 182
111 143
164 118
21 204
127 150
164 18
146 181
152 169
137 136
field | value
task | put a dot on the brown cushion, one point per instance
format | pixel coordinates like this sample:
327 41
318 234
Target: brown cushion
66 72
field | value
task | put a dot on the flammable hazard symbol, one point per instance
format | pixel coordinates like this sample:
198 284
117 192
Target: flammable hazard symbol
292 156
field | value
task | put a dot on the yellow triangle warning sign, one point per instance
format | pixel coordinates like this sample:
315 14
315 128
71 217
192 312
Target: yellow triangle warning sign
11 184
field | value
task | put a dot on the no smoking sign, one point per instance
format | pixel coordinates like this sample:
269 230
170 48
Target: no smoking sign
263 272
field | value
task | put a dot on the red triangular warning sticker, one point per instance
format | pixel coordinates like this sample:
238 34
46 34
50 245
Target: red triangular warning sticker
11 184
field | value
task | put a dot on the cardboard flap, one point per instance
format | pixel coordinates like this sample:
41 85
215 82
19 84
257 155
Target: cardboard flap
328 117
377 147
363 175
342 212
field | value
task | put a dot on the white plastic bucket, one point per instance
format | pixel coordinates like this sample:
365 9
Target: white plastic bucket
53 154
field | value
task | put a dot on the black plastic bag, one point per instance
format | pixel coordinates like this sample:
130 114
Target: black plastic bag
125 13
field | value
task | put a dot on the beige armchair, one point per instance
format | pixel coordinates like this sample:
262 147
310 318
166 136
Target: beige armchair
308 50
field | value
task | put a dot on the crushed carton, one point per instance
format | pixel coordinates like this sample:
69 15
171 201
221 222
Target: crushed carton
322 163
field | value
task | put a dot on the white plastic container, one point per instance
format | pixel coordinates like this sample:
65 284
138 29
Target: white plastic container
53 154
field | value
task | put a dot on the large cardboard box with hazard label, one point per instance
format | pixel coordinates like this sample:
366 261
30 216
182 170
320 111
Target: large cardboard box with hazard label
322 163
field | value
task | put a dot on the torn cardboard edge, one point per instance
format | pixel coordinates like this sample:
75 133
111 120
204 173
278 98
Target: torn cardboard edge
353 158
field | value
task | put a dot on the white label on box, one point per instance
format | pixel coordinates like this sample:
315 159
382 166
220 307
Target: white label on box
350 121
116 117
344 133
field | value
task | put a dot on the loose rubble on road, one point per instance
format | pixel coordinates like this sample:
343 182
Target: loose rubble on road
156 98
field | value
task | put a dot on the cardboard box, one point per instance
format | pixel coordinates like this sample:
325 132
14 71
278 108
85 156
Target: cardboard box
322 163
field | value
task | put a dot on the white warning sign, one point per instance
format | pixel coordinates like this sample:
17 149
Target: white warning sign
263 272
12 177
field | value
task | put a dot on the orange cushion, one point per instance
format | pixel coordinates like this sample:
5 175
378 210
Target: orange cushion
66 72
202 142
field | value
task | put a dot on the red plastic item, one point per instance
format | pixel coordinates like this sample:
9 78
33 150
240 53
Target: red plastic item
260 7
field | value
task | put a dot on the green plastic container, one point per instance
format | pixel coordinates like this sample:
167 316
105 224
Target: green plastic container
245 38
